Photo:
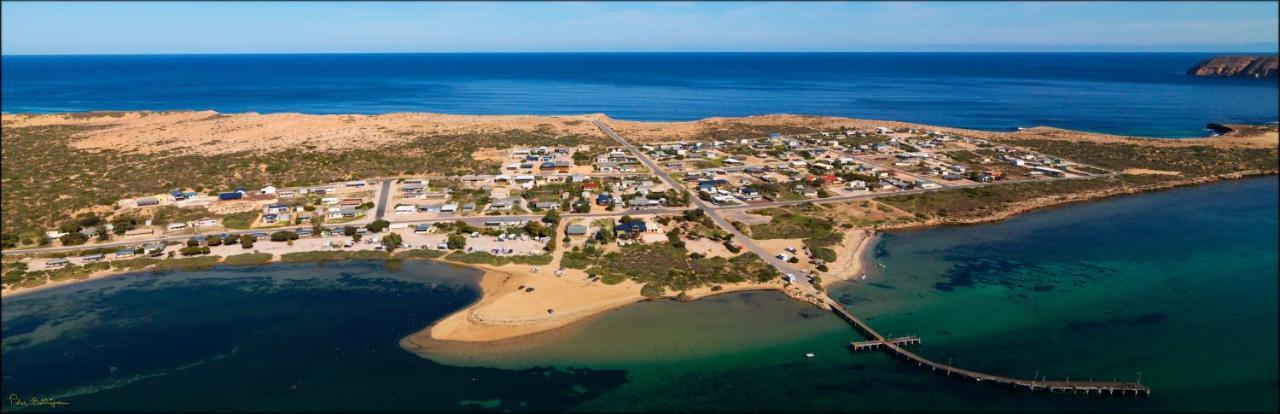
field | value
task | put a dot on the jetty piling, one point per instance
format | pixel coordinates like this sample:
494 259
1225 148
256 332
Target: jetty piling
895 347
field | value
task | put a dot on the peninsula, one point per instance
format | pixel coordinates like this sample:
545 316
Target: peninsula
568 216
1237 66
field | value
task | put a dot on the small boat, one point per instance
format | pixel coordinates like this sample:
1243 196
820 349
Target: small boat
809 355
881 265
864 276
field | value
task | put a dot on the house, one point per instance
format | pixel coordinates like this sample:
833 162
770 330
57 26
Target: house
576 229
176 226
342 213
603 199
356 184
285 193
469 207
547 205
277 208
267 190
350 202
125 252
856 185
422 228
707 185
207 222
178 195
428 208
153 249
412 188
748 194
827 179
329 201
147 201
305 217
577 178
56 263
505 203
631 227
643 202
1050 171
449 208
592 186
270 218
405 208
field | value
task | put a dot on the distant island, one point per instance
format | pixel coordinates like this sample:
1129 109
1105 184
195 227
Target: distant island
1236 66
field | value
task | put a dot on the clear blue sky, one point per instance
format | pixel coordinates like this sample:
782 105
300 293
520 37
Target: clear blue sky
294 27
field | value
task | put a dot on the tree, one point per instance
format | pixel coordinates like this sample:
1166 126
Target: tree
456 241
193 250
246 241
215 241
192 242
377 226
349 230
552 217
673 238
391 241
73 238
122 224
355 237
651 290
283 235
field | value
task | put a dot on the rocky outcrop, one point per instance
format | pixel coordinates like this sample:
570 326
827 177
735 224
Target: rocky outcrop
1236 66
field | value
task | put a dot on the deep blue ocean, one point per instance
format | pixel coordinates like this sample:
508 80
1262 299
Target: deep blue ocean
1145 94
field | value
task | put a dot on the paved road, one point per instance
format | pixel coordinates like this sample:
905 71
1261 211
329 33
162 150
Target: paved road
801 281
473 220
382 199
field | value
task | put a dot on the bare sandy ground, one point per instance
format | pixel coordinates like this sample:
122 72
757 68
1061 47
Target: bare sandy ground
208 132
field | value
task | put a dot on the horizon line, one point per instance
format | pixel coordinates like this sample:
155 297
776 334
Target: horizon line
1240 52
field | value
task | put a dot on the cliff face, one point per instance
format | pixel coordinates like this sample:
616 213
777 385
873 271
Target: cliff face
1240 66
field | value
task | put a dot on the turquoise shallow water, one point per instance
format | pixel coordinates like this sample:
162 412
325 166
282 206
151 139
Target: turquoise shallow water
1178 285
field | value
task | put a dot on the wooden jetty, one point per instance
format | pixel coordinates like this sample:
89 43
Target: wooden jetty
872 345
894 346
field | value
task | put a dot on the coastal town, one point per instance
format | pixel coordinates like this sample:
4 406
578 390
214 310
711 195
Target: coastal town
604 193
566 227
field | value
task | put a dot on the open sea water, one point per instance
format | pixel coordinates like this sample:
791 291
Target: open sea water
1144 94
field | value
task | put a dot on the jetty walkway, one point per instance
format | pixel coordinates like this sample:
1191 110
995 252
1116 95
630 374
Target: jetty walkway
895 347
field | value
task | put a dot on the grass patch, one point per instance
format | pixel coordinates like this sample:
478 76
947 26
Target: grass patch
247 259
494 260
335 255
576 260
134 264
789 225
418 254
969 203
188 263
663 265
240 221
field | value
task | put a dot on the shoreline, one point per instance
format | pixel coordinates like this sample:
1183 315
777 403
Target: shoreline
1057 201
506 312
